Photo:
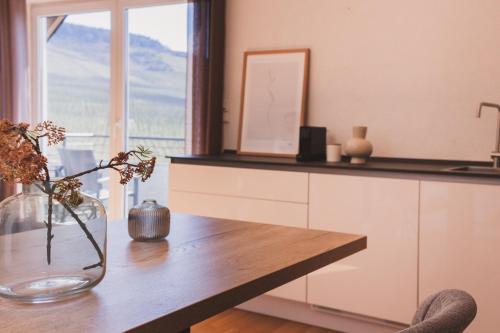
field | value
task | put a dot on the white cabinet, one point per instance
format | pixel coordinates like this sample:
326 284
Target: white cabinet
264 196
460 243
238 208
240 182
380 281
423 236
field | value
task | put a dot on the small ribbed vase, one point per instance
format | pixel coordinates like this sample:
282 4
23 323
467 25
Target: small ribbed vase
148 221
358 148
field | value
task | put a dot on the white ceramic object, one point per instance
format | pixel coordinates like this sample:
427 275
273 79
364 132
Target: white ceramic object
334 153
358 148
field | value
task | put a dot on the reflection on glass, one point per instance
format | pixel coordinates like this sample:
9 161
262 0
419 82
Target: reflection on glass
77 90
157 60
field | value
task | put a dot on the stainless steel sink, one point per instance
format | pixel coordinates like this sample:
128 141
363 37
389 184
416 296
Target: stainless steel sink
476 169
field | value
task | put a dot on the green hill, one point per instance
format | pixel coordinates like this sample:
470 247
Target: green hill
78 81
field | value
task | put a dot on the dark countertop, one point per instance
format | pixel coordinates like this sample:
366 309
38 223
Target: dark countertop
374 164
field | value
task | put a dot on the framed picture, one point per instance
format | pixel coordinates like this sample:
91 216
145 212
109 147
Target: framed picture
273 102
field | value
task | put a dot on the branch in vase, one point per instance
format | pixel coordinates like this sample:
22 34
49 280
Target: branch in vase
47 190
89 236
144 168
100 167
99 264
50 236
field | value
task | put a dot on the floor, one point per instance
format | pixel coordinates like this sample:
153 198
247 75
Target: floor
238 321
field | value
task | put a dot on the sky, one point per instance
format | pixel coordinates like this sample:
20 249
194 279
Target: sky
167 23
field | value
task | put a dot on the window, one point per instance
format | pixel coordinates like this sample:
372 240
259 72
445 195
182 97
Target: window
156 87
76 87
115 76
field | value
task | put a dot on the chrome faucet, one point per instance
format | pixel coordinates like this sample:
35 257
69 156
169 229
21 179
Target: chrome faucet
495 155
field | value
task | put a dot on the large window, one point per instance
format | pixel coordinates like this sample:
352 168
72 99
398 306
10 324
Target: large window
115 76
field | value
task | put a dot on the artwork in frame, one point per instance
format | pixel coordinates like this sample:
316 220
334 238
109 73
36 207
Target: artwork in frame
273 102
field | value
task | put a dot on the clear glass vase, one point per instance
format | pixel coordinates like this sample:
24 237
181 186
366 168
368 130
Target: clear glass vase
34 269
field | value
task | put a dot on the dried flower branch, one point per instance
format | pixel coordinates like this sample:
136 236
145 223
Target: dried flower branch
23 162
20 162
66 191
54 134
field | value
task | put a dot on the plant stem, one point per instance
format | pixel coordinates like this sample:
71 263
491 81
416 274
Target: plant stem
89 236
110 165
46 188
49 228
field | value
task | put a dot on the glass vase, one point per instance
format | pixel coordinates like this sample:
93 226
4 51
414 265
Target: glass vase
42 261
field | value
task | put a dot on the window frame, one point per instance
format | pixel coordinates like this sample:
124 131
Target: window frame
118 112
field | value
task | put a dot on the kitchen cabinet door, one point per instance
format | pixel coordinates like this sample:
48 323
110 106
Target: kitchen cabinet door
263 196
460 243
380 281
261 184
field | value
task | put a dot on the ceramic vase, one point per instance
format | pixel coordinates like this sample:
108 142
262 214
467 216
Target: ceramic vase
358 148
149 221
35 271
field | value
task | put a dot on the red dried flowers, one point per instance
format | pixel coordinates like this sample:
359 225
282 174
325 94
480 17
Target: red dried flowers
22 161
19 161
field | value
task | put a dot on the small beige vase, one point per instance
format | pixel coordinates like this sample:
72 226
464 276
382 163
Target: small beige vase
358 148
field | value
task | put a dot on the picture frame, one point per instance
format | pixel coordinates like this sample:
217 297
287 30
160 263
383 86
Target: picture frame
273 102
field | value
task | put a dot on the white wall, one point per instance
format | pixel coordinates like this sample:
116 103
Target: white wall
413 71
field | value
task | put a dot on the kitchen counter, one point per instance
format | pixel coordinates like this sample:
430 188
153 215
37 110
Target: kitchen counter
404 167
417 215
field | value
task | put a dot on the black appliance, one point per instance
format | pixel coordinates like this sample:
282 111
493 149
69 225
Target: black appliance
312 144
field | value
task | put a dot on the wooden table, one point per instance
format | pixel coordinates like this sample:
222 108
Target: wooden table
205 266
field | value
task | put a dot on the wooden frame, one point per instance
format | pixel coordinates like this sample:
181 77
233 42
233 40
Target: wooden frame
301 102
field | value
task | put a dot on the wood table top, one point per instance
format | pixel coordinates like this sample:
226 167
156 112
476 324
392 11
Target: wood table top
204 267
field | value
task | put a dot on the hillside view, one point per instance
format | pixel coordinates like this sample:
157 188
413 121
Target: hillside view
78 88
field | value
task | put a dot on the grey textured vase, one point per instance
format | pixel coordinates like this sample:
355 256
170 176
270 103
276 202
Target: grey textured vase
358 148
148 221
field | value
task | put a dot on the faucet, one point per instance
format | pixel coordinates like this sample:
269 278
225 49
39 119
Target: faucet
495 155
